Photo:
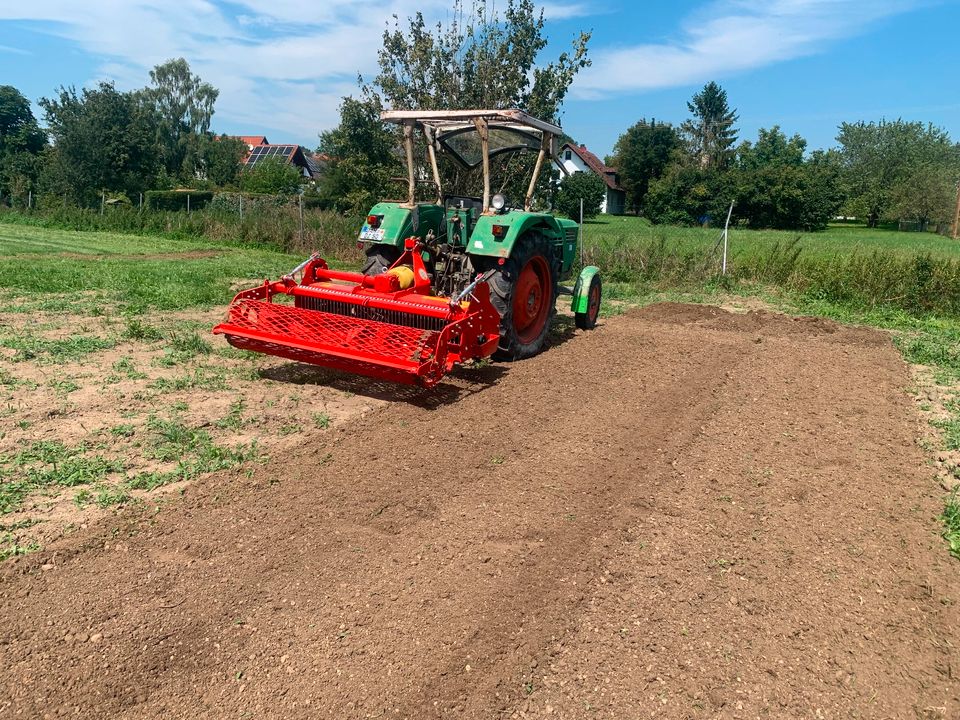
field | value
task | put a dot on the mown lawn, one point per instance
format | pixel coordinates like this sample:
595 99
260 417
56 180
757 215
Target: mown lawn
83 272
837 239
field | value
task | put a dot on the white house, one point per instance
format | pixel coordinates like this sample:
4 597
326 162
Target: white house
576 158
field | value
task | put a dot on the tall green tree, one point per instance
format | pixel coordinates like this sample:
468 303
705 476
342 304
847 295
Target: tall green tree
885 161
772 149
363 157
481 58
641 155
184 104
580 186
21 142
104 140
219 158
710 133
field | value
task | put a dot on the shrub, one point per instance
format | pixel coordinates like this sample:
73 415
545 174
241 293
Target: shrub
173 200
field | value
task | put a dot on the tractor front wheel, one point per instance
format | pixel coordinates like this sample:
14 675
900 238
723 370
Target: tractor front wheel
524 291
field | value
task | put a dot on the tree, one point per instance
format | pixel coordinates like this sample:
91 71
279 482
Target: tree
773 148
220 159
21 141
642 154
710 134
479 59
273 176
689 195
883 160
927 194
184 104
483 62
362 157
776 188
104 140
583 185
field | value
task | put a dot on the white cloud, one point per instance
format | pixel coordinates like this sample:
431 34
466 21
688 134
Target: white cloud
732 36
282 66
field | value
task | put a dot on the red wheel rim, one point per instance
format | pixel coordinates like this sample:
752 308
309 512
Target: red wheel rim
531 299
593 304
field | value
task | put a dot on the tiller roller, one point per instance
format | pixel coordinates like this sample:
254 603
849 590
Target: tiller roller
387 326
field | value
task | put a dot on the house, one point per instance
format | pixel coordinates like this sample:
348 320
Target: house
576 158
310 166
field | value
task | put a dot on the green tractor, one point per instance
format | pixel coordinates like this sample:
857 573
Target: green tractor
456 279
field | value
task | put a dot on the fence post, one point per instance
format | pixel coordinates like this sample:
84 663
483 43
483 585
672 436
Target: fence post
726 236
188 203
241 208
956 217
30 200
301 218
140 209
581 233
103 201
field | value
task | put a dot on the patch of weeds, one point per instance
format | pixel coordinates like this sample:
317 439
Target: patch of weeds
51 464
54 351
289 429
122 430
64 387
151 480
136 329
194 451
190 342
126 366
24 424
950 427
199 379
108 495
497 460
233 420
321 420
10 547
8 380
951 524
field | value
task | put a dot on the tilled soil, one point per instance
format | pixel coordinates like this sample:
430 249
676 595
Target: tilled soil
685 513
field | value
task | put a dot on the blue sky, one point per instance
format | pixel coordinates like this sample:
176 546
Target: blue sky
283 65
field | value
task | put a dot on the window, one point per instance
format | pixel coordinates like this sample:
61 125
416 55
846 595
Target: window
567 155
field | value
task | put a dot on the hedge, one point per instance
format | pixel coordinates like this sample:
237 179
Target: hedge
177 199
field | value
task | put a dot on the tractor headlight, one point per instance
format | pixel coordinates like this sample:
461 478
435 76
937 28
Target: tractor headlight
498 202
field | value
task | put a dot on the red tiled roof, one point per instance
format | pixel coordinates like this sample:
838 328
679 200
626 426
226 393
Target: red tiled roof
606 173
254 139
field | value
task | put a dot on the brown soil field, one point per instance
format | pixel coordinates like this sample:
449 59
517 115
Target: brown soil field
686 513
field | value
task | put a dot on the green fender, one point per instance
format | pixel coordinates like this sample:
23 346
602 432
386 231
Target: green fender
582 289
518 222
398 223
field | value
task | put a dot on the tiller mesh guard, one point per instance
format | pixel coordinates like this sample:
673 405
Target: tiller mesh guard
368 325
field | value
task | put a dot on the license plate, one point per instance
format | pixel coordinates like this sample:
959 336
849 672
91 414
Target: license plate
368 233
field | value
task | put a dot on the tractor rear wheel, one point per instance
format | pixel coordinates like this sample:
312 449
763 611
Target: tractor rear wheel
379 258
524 291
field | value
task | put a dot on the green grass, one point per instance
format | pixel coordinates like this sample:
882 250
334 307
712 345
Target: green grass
613 231
951 524
32 264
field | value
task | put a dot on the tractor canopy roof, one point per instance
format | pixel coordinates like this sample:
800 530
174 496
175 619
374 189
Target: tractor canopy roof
456 131
472 137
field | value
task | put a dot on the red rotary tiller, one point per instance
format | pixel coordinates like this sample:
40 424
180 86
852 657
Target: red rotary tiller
387 326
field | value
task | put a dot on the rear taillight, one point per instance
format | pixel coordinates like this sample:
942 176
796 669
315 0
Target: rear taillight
499 231
374 221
